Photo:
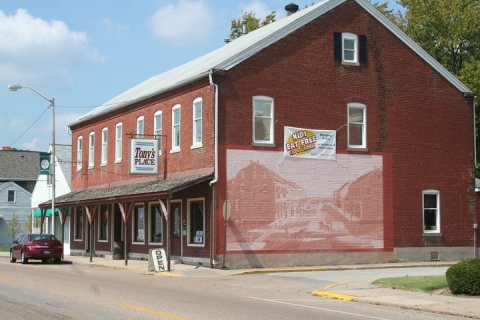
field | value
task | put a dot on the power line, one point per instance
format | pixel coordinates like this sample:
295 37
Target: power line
29 127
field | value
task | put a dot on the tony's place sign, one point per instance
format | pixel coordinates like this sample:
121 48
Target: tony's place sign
144 156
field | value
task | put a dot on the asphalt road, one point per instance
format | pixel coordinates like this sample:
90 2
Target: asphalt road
70 291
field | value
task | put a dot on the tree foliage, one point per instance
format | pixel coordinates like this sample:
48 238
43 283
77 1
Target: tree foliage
253 23
13 227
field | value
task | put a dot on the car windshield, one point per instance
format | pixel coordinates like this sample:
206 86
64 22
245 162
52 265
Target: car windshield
42 237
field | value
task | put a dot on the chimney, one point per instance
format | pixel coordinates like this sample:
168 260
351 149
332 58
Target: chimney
291 8
244 26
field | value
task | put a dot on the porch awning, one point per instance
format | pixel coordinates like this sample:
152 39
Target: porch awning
128 192
38 213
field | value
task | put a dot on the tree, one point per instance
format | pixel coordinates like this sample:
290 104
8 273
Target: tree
253 23
13 227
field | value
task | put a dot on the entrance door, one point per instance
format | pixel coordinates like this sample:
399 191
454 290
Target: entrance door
176 231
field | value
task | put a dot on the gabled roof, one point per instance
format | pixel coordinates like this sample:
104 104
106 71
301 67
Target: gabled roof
13 186
237 51
16 165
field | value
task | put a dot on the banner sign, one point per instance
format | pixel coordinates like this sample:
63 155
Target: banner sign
144 156
307 143
45 163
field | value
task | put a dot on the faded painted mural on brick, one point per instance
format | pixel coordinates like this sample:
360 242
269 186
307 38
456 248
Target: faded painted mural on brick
280 203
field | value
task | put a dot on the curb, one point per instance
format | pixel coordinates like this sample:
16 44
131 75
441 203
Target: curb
337 296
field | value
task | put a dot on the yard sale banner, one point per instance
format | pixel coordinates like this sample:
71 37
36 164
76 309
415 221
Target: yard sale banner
308 143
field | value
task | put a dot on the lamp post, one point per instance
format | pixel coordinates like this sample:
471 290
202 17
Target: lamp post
15 87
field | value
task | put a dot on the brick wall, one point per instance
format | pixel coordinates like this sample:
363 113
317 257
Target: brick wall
416 119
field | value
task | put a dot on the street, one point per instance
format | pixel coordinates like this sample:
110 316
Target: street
73 291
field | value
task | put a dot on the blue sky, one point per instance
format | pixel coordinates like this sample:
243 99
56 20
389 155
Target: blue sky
83 53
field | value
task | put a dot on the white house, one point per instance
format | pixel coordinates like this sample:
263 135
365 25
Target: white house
43 192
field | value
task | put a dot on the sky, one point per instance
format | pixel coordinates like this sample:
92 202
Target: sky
83 53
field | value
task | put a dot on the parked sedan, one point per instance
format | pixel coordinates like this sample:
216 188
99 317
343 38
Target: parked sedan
36 246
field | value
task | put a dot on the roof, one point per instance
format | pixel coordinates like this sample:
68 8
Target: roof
16 165
235 52
128 191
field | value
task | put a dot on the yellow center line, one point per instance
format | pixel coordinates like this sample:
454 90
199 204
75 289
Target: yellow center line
158 313
4 278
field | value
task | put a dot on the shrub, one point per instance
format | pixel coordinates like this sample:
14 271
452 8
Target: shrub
464 277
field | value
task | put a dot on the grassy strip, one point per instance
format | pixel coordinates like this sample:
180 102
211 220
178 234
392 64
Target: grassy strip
4 248
422 283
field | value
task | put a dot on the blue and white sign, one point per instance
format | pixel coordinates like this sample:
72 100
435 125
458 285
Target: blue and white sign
144 156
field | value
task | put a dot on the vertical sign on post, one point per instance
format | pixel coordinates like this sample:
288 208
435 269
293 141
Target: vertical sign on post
44 163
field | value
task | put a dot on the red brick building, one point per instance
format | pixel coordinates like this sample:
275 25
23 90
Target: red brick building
398 183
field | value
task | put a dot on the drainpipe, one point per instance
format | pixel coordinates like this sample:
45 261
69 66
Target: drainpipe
213 183
475 222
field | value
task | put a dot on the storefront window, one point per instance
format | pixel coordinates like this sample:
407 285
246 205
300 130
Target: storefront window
79 224
156 224
139 224
103 224
196 221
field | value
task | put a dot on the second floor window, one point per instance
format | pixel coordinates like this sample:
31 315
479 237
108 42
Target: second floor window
140 127
197 122
263 120
357 125
79 153
157 128
91 150
118 142
104 146
176 128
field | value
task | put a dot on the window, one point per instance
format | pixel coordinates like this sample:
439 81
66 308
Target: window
156 224
196 222
78 224
431 211
157 129
263 120
140 127
104 146
139 224
118 142
357 121
91 150
103 224
197 122
79 153
176 128
349 48
11 196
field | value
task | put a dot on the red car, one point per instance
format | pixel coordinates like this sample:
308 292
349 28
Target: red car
36 246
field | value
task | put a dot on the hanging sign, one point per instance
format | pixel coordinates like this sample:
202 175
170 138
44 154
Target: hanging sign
308 143
44 163
144 156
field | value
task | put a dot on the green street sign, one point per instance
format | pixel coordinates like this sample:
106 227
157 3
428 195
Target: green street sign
44 163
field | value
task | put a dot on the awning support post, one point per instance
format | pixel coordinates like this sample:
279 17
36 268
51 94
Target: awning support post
126 209
91 214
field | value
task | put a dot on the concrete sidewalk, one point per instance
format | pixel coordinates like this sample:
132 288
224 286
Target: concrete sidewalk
358 291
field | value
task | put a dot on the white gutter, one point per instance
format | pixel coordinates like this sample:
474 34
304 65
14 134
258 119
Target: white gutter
215 86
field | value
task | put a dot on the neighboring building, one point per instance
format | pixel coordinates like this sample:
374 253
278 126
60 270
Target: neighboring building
18 175
43 192
396 184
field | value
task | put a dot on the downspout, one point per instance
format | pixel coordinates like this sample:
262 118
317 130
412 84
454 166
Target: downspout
213 183
475 222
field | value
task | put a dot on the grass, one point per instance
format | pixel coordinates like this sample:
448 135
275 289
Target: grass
4 248
422 283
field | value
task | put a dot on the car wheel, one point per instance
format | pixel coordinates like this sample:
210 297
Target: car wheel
57 260
44 260
24 259
12 259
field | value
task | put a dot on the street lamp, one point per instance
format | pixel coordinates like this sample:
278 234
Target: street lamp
15 87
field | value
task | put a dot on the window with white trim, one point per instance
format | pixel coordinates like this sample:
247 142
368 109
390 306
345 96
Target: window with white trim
431 211
156 224
139 224
176 128
118 142
79 153
263 120
91 150
140 127
157 129
349 47
196 222
197 122
11 196
104 155
357 125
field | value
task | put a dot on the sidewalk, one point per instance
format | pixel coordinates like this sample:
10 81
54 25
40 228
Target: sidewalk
358 291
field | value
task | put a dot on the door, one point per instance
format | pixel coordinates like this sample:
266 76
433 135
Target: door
176 228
